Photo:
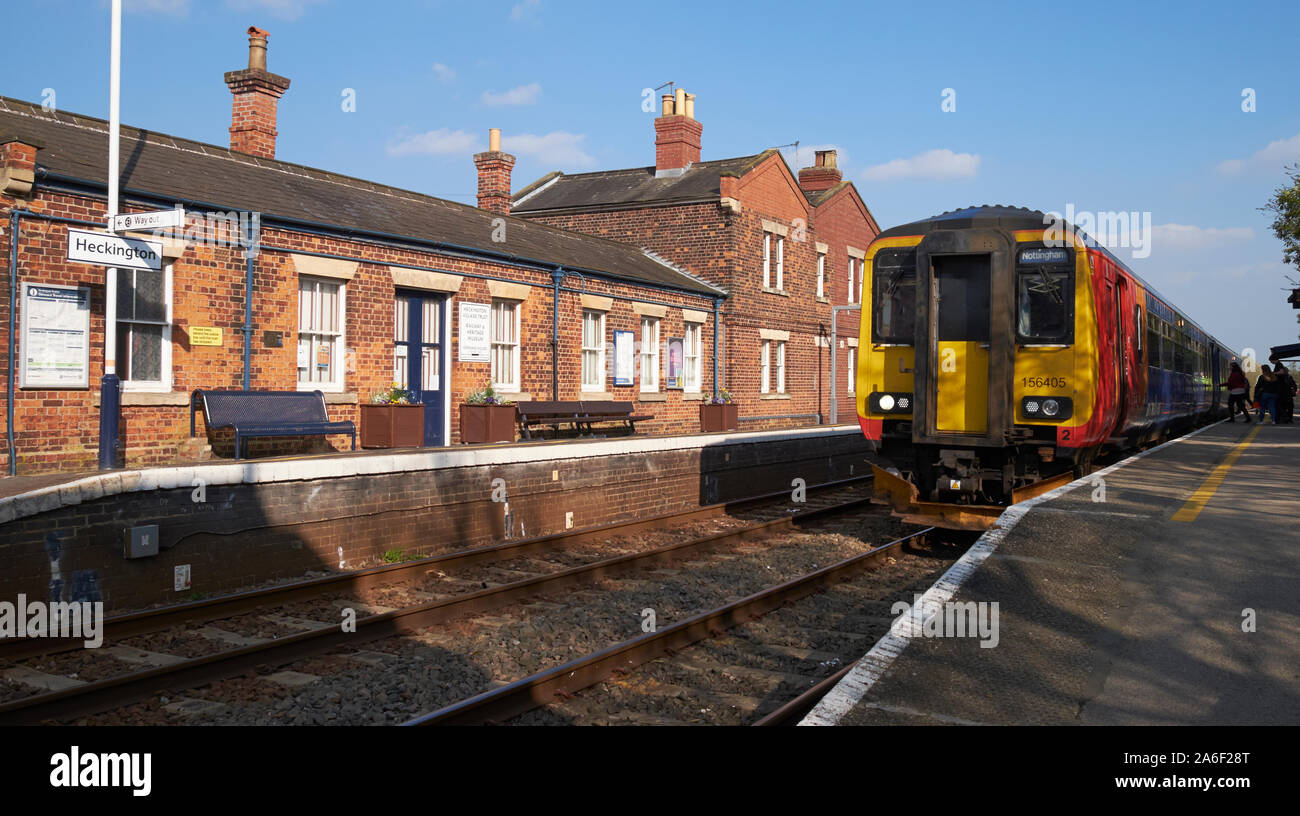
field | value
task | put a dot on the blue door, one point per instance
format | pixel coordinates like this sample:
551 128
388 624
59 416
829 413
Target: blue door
417 356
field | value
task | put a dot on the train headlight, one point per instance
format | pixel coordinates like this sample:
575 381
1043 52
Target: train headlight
889 403
1053 409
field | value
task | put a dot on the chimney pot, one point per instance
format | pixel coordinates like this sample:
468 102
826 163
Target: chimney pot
690 106
679 102
667 105
494 140
257 48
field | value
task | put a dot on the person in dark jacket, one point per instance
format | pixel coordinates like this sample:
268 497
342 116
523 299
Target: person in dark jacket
1238 388
1266 393
1285 394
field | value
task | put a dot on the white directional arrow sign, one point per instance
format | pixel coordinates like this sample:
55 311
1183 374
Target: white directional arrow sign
161 219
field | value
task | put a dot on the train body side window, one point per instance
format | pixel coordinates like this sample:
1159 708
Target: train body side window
1153 341
1045 295
893 302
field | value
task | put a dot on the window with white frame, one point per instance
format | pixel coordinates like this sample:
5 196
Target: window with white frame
765 368
321 306
505 345
780 264
144 331
853 276
853 368
767 260
780 366
649 353
821 274
691 350
593 350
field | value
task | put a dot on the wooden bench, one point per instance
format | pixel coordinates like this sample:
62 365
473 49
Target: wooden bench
581 415
267 413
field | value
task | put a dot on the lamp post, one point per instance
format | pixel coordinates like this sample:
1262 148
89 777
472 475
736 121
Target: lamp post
110 387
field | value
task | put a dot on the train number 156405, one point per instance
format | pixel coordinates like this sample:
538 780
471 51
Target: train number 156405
1043 382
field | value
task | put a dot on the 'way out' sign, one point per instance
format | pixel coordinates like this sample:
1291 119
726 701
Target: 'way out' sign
113 250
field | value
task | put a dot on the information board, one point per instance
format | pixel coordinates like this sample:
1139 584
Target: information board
475 342
623 358
55 336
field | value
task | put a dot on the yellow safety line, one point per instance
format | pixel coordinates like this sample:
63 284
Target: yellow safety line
1203 494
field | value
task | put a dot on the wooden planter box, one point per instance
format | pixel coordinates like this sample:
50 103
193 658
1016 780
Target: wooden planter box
715 418
392 426
487 423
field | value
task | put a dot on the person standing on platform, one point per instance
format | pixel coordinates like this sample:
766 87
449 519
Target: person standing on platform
1237 390
1266 393
1285 394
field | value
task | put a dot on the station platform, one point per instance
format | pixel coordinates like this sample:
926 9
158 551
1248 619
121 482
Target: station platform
1123 598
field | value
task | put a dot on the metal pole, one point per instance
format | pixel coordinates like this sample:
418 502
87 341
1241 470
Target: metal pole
717 304
251 236
13 302
110 388
556 276
835 314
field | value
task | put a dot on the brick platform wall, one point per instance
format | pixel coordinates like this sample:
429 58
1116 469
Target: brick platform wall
242 535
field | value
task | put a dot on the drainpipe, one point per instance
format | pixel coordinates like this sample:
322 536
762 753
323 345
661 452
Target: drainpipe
13 299
252 236
717 304
556 277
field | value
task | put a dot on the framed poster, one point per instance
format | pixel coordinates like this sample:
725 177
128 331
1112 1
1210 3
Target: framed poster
475 342
623 358
55 336
676 357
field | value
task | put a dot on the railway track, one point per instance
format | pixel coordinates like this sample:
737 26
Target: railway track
622 666
243 653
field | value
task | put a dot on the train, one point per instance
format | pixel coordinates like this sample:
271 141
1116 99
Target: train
1001 351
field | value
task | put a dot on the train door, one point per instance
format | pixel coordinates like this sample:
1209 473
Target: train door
959 316
1124 347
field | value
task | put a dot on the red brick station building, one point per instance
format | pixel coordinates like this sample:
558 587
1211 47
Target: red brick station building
738 259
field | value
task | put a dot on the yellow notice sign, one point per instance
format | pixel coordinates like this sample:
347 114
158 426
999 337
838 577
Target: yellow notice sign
205 336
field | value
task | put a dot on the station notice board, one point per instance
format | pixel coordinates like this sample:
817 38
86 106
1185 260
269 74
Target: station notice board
55 336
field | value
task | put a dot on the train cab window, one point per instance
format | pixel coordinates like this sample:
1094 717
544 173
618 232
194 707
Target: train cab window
893 302
1045 295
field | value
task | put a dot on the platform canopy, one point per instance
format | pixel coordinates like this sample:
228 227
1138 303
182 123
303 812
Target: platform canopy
1284 352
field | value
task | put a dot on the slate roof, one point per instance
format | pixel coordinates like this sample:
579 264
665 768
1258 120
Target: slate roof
612 189
173 168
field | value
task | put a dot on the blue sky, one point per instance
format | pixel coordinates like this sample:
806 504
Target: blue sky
1102 106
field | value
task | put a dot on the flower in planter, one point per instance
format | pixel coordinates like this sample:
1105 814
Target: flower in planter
394 394
723 398
486 396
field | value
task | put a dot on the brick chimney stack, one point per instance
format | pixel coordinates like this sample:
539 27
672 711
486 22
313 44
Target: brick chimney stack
494 175
17 166
823 175
257 93
677 134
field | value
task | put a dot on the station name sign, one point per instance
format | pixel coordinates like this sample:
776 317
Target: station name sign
104 249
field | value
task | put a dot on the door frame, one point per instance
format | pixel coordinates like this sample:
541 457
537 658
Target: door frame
444 350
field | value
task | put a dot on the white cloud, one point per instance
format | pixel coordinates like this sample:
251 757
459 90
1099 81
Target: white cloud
441 142
1190 237
525 11
1273 157
523 95
932 164
443 73
282 9
173 8
556 148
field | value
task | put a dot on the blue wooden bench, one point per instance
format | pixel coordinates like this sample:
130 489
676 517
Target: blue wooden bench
267 413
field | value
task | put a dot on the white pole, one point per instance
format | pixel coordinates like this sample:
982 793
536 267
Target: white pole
114 134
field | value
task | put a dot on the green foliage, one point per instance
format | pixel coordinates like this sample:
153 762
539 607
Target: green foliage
486 396
395 394
1285 209
394 556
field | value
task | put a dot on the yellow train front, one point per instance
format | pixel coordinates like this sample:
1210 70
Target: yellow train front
1001 352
